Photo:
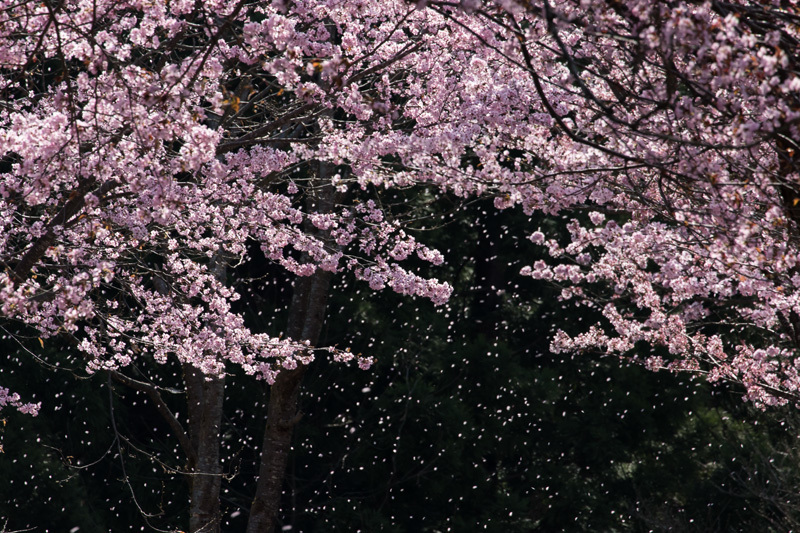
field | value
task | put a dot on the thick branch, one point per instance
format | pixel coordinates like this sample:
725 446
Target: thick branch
254 137
75 203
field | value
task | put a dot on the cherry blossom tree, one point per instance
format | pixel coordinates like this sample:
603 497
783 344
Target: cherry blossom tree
675 129
147 146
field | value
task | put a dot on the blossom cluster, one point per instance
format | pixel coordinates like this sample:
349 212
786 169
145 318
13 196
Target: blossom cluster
8 398
680 132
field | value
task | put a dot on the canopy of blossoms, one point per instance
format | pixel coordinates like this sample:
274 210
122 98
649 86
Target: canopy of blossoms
146 145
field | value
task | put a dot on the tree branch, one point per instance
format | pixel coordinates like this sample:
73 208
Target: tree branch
165 412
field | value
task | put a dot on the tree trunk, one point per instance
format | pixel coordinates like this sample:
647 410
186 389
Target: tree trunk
306 318
205 395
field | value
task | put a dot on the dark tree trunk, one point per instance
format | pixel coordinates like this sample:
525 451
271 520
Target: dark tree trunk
306 318
204 395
